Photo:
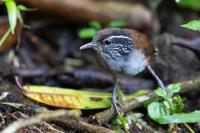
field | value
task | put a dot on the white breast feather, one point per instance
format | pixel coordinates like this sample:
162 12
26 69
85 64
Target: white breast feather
136 63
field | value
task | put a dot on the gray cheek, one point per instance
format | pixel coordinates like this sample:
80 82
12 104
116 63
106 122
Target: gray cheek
111 52
115 54
117 50
116 47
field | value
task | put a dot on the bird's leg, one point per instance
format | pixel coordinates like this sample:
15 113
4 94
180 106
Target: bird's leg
114 98
160 83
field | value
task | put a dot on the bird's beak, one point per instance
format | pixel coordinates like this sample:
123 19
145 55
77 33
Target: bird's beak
88 45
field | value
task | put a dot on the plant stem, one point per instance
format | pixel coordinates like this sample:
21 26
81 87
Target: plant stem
189 128
5 36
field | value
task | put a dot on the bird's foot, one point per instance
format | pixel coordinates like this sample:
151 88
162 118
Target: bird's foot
116 105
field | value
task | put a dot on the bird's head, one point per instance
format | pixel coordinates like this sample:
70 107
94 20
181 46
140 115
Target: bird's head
111 42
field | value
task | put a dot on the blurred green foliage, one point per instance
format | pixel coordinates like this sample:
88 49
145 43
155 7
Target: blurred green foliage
95 24
193 4
90 32
86 33
117 24
193 25
14 14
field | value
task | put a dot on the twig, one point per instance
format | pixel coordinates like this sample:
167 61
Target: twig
14 115
84 127
12 128
105 116
2 120
189 128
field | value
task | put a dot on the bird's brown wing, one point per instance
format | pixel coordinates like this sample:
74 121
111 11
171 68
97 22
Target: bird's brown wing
141 41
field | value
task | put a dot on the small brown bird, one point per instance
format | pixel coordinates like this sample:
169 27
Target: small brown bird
122 52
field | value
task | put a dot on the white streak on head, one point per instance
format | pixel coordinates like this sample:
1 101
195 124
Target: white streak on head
121 36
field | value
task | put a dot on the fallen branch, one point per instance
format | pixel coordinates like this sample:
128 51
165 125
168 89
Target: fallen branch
84 127
136 15
106 115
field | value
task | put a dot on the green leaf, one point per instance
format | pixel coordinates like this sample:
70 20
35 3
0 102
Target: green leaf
123 121
87 33
12 13
160 92
172 89
69 98
117 24
193 25
156 110
95 24
178 103
160 113
24 8
167 104
191 117
193 4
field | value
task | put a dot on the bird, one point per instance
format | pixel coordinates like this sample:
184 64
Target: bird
122 53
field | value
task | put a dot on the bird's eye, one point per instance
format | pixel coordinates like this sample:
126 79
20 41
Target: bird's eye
107 42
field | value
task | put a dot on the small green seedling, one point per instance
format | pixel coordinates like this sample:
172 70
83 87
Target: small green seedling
14 14
170 110
121 121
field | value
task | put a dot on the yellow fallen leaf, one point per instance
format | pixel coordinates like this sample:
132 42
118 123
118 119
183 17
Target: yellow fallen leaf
68 98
